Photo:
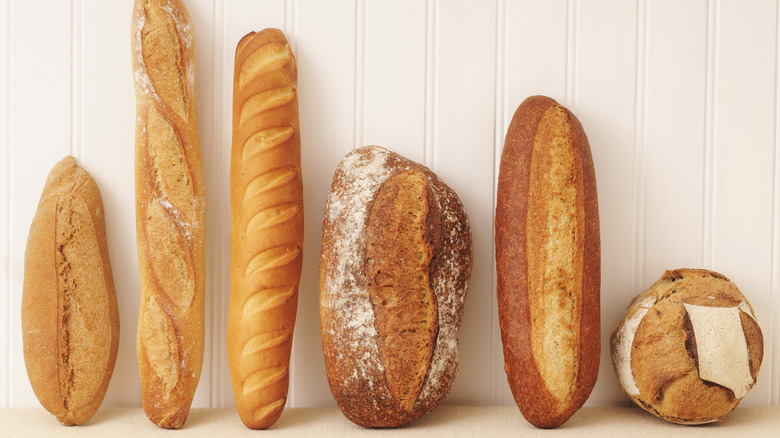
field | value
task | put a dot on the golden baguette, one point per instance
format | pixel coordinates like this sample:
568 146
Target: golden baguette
266 198
70 320
170 211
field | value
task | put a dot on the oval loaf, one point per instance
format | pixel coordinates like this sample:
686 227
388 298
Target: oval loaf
548 262
70 321
394 270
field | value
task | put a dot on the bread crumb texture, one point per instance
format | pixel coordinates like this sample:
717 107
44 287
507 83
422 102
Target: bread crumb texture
553 232
84 351
159 338
162 57
675 351
398 258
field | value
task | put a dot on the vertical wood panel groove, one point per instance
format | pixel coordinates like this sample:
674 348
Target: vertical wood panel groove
76 116
499 115
5 199
218 278
431 71
360 74
572 17
640 144
774 334
710 132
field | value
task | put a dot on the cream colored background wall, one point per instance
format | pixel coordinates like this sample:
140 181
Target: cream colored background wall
679 100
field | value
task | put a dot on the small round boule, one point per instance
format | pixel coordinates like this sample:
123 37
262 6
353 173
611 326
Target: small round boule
688 349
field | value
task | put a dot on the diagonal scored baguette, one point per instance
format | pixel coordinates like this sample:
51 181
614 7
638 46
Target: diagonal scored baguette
548 262
266 198
170 208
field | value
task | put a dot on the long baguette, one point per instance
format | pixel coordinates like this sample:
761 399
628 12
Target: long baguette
170 211
266 197
548 262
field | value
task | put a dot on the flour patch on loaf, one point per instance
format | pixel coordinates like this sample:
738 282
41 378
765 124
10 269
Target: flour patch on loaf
361 173
624 339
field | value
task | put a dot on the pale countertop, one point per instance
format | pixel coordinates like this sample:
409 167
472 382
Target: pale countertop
445 421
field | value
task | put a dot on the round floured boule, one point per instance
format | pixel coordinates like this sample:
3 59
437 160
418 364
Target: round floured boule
688 348
394 270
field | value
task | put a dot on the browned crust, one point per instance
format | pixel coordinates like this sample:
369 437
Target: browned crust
665 368
42 326
536 403
169 409
266 226
357 384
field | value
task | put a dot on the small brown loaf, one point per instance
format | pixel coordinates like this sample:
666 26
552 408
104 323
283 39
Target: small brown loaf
266 197
394 270
169 195
70 321
548 262
689 347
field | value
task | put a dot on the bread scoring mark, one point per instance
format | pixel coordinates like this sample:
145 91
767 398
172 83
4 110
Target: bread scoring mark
553 234
398 258
170 169
83 306
159 343
264 341
263 378
267 100
272 216
265 58
168 255
269 180
266 410
162 55
273 258
266 299
265 139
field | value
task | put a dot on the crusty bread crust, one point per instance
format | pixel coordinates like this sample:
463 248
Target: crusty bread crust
70 320
170 211
655 355
266 197
361 377
548 262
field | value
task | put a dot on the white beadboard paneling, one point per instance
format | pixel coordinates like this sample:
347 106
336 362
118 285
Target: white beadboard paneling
325 32
603 99
679 101
5 200
40 117
394 87
465 70
674 117
743 156
104 121
533 61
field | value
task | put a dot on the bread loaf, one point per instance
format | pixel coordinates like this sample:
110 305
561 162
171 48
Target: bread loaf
689 348
266 198
70 321
169 211
394 270
548 262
